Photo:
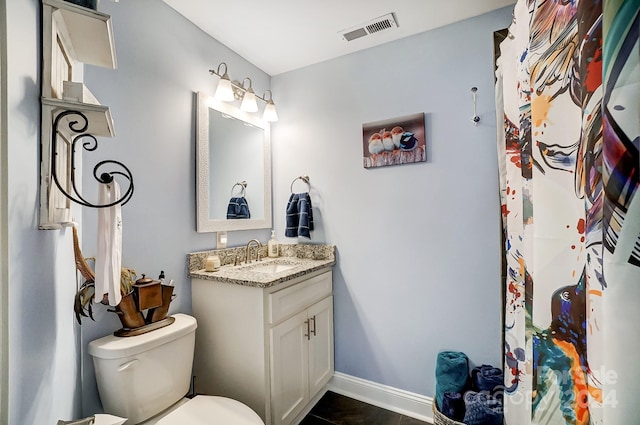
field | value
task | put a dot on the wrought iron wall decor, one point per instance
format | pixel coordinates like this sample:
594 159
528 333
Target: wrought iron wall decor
105 177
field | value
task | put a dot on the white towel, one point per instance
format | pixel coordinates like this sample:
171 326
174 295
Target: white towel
109 257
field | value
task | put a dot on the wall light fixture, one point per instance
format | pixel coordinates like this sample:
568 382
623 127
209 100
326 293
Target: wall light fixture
228 91
224 91
270 113
249 103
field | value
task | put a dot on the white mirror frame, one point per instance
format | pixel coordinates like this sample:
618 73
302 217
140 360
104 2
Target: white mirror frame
204 223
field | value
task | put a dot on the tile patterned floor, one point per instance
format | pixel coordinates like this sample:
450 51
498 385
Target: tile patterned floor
336 409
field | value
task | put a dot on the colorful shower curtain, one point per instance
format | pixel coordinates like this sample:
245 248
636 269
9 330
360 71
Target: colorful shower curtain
568 108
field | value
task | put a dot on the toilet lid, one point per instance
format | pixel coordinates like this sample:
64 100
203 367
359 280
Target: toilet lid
212 410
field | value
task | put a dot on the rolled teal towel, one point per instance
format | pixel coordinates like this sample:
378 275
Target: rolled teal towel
486 378
452 373
482 409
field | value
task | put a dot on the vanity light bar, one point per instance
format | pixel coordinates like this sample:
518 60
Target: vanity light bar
227 90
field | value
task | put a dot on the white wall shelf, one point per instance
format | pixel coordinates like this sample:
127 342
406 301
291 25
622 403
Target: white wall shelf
99 116
86 33
72 36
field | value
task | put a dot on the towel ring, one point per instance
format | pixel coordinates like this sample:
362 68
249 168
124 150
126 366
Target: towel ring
304 179
243 185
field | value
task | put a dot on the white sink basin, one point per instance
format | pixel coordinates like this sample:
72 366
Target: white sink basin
272 268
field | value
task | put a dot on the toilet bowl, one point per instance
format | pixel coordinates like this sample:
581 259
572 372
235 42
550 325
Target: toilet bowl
207 410
144 378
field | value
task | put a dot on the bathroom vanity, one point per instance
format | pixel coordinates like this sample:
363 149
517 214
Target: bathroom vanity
265 329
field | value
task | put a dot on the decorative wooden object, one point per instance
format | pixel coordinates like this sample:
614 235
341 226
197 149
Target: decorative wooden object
149 295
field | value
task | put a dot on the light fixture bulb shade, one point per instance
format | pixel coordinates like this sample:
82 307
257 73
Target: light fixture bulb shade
270 114
249 103
224 91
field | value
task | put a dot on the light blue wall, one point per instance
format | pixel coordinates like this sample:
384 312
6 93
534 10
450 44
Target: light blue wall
43 340
163 61
418 268
419 245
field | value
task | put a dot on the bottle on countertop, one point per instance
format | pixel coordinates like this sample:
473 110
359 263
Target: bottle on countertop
272 245
161 278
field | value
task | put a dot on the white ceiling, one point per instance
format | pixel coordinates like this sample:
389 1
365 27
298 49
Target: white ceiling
282 35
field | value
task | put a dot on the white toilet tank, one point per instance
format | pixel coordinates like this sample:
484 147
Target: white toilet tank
140 376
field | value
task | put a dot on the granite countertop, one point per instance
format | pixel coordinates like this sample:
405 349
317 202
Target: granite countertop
295 260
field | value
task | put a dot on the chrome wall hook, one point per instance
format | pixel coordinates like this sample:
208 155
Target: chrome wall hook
475 119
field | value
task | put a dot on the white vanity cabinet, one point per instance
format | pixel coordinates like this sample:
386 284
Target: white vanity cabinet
271 348
301 359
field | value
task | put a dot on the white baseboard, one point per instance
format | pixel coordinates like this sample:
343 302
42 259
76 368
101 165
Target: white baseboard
399 401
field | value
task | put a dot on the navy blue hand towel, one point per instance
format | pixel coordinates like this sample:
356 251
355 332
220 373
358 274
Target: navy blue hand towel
486 378
238 208
452 373
453 406
299 216
482 409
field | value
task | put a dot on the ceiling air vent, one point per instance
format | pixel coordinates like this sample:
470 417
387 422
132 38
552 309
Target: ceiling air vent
382 23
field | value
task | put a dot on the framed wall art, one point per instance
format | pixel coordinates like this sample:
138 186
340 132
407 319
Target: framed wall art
394 141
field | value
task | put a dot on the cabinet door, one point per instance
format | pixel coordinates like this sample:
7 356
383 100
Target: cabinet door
289 368
320 345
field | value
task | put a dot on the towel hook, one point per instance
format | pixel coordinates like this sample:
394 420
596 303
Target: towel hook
243 186
304 179
475 119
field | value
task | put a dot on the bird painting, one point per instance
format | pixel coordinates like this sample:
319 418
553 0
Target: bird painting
394 141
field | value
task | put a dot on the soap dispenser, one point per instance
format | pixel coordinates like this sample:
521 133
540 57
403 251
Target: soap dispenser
272 245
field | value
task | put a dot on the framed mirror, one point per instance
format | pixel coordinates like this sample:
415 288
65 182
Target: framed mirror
233 160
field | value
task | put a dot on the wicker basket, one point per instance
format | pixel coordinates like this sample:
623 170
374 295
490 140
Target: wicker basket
440 419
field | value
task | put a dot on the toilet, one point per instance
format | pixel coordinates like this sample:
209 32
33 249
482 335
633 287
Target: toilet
145 378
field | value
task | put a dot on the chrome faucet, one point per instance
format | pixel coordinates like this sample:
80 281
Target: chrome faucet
247 257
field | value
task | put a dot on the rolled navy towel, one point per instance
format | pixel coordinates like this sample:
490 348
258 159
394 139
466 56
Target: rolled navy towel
486 378
482 409
452 373
453 406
